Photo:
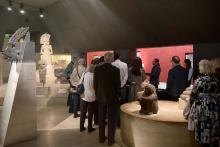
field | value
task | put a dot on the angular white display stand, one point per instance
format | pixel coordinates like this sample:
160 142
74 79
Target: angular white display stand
1 69
19 119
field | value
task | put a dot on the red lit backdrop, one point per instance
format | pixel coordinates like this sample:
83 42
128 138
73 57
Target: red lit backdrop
92 55
164 54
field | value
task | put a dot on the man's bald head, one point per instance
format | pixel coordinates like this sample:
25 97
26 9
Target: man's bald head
176 59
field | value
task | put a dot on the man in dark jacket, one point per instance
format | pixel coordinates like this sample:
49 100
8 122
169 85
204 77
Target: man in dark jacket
107 86
155 73
177 79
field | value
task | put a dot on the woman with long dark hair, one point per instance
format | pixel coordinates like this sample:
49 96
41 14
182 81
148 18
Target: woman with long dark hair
136 77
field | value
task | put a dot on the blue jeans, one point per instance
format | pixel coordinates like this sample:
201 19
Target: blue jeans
75 103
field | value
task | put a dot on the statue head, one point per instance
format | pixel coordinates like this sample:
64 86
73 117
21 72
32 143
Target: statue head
45 39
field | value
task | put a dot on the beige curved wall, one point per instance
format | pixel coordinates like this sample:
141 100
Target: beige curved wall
154 131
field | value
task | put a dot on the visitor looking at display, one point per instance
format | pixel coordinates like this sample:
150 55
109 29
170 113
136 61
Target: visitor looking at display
87 102
155 73
68 72
177 79
123 67
136 76
74 80
189 68
204 106
107 86
70 67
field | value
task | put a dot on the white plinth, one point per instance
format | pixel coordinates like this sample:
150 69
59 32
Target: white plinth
42 91
19 115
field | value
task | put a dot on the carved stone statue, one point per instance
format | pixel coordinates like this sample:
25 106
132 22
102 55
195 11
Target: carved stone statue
19 106
13 51
42 73
46 49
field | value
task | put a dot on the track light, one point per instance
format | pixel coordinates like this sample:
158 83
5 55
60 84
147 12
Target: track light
9 8
41 13
22 11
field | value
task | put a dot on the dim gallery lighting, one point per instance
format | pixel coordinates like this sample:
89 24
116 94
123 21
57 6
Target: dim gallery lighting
21 8
41 13
9 8
22 11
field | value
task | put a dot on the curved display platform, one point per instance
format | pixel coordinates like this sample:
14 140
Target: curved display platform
167 128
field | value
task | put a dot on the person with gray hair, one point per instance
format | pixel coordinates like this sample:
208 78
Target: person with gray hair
107 86
88 100
204 113
74 81
109 57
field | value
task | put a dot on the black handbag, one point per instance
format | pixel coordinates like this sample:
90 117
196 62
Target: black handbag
80 88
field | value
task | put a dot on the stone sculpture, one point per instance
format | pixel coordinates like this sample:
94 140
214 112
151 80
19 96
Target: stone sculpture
46 49
14 52
18 121
42 73
148 100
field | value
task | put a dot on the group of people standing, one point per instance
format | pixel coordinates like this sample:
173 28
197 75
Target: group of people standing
106 82
102 88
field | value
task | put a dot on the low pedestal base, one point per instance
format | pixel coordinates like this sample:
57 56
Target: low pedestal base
43 91
167 128
1 101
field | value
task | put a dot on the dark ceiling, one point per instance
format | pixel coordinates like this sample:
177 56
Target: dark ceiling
120 24
113 24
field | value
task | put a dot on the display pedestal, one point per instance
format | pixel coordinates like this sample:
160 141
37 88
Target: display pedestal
1 69
50 77
42 91
167 128
19 115
59 94
2 93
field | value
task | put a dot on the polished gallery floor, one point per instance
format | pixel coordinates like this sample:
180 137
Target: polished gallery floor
58 128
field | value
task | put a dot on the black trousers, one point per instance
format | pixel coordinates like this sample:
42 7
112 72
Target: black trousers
123 100
112 110
84 107
96 113
214 144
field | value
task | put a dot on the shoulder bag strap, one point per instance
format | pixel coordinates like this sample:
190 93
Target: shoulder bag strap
78 72
84 77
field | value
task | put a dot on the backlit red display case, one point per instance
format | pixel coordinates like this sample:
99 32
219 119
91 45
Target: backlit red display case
164 54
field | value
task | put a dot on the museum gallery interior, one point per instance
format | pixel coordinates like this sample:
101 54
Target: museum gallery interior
121 73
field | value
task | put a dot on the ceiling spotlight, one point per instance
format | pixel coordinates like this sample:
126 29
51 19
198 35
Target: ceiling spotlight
9 8
22 11
41 13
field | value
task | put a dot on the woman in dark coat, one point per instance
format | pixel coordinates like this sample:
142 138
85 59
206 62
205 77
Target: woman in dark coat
155 73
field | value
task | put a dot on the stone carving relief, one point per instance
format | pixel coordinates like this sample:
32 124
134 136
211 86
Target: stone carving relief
46 49
13 51
42 72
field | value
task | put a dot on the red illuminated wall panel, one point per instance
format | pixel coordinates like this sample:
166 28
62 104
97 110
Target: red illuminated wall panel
92 55
164 54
